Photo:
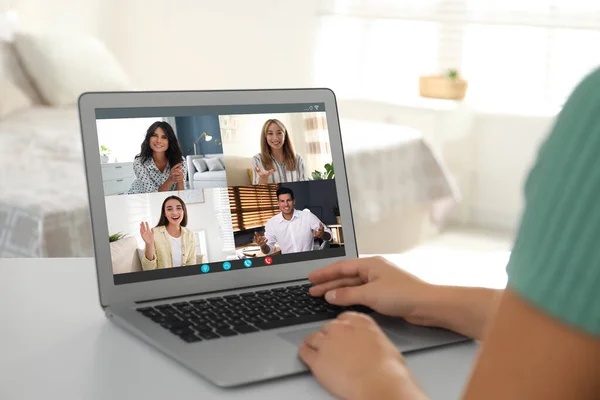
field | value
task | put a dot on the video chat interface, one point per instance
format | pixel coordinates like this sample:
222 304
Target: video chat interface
238 207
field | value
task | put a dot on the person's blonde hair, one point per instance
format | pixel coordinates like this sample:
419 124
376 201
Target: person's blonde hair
288 147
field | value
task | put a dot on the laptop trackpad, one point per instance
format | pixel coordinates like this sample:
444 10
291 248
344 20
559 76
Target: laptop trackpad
297 337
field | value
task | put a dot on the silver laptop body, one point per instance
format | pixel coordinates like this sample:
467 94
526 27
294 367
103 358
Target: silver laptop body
243 358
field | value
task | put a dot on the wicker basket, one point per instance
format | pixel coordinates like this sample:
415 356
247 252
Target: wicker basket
441 87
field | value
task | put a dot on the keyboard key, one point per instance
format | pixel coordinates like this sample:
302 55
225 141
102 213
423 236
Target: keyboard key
263 291
231 296
226 332
202 328
220 325
279 290
191 338
181 303
208 335
250 294
175 324
245 329
213 299
294 321
144 309
198 302
182 331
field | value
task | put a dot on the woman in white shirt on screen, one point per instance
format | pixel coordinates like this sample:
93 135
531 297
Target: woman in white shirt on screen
170 243
277 161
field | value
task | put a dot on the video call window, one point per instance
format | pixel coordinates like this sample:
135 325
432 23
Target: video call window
196 193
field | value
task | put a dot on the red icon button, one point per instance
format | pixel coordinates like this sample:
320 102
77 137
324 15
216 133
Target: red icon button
268 260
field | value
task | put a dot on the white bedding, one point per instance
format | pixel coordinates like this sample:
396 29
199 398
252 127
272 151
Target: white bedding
43 203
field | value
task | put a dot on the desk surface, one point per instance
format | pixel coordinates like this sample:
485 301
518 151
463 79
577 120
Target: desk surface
56 341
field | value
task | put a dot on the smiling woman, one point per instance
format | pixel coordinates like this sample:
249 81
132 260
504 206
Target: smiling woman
159 166
170 243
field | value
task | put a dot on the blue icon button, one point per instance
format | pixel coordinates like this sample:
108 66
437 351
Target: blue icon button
247 263
226 265
205 268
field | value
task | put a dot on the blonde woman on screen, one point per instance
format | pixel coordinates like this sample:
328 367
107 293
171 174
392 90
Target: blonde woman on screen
170 244
277 161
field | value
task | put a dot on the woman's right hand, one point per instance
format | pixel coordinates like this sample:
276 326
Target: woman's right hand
263 175
373 282
176 173
147 233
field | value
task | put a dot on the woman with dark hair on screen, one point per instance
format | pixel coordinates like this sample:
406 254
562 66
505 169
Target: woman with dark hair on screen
159 167
277 161
170 244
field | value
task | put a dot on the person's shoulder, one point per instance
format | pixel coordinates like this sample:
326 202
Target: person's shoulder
257 157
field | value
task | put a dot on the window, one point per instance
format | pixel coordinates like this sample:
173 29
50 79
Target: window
252 206
518 55
221 207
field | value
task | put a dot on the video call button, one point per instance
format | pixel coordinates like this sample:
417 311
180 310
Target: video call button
247 263
226 265
268 260
205 268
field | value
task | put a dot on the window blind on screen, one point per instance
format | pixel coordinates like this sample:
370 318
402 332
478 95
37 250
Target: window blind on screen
221 207
252 206
516 54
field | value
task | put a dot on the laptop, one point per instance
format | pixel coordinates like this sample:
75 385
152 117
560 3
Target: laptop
221 284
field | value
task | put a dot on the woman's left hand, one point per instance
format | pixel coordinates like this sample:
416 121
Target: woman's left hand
353 359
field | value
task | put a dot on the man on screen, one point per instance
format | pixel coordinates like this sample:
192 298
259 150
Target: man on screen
294 230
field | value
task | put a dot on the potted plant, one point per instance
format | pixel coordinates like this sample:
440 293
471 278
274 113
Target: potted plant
448 85
328 174
336 211
116 236
104 153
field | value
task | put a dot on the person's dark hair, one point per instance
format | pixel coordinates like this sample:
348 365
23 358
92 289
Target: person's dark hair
173 153
284 190
163 221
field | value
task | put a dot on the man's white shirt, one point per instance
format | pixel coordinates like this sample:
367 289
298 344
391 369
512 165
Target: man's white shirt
295 235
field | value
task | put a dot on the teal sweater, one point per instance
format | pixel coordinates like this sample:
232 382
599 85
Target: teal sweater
555 262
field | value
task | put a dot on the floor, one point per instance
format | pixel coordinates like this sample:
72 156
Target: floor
461 257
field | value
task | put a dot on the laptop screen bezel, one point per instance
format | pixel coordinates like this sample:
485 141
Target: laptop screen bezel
199 284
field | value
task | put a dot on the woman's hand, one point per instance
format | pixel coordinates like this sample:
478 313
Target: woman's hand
147 233
353 359
373 282
176 174
263 175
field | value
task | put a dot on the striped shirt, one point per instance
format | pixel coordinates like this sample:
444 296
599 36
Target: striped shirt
280 174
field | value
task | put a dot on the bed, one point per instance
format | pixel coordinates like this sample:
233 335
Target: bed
400 190
43 198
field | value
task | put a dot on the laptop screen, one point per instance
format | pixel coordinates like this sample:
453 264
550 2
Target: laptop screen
212 189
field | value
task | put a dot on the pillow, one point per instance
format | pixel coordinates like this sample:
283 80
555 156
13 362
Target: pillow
199 164
222 160
64 67
11 98
214 164
11 69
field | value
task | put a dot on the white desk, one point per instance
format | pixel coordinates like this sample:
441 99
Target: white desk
56 343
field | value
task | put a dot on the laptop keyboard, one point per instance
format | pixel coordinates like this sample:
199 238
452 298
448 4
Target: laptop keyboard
237 314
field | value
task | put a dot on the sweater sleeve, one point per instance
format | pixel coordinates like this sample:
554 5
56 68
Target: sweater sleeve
555 262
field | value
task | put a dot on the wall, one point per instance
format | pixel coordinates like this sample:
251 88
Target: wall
206 44
189 130
83 16
506 147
